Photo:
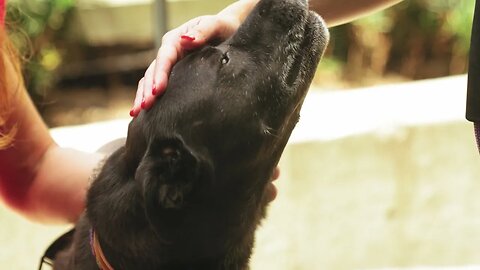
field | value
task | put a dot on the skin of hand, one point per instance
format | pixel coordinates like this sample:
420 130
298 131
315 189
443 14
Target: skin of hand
177 42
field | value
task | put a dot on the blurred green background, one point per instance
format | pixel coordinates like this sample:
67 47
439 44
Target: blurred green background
414 40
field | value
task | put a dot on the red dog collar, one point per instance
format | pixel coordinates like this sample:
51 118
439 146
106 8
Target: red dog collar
97 251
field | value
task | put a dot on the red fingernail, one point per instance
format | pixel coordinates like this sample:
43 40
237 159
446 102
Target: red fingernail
189 38
132 113
154 90
143 105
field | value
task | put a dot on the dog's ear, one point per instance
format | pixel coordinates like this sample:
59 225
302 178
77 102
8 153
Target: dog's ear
170 172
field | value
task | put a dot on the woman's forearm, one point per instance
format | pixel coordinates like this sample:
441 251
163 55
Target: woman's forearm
336 12
58 191
37 178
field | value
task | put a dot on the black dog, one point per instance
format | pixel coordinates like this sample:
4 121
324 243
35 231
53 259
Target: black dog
187 190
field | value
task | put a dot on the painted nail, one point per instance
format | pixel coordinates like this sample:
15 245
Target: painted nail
154 90
132 113
143 105
189 38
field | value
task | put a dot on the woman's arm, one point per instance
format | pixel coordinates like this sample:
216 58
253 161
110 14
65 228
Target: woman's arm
336 12
39 179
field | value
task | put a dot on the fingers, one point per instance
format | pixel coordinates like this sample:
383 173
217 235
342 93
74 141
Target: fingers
272 190
175 44
148 97
138 99
169 53
155 79
276 173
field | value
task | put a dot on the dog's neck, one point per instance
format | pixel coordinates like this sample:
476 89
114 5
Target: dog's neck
235 257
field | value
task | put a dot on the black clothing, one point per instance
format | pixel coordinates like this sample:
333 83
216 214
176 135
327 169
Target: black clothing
473 88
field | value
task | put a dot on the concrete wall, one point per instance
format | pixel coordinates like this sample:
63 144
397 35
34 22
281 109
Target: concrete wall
380 177
385 177
368 201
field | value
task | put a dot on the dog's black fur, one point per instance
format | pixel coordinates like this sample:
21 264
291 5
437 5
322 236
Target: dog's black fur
187 190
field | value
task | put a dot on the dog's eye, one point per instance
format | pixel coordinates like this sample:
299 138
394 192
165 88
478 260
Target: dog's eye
225 59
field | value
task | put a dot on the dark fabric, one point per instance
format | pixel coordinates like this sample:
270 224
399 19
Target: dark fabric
60 244
473 89
476 126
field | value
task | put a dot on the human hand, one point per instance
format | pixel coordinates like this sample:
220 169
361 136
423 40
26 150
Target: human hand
175 44
271 189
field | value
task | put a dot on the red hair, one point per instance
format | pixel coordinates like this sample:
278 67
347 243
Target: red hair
9 67
2 13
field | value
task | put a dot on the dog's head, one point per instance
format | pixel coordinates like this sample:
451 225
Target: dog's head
201 158
230 108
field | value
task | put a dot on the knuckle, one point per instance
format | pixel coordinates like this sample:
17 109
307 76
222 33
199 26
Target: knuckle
167 35
140 82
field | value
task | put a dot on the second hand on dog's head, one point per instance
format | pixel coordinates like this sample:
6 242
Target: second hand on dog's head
187 190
